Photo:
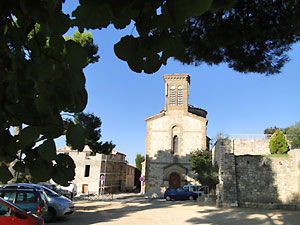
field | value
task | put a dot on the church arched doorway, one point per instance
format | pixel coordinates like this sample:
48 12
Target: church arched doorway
174 180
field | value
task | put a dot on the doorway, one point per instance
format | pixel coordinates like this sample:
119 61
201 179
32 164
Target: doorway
174 180
85 188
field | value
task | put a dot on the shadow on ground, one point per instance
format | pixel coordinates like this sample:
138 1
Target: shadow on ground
96 212
245 216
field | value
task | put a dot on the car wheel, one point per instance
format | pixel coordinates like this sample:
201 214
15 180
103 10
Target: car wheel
191 197
50 215
168 198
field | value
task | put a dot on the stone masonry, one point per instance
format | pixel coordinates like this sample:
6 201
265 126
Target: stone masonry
258 181
171 136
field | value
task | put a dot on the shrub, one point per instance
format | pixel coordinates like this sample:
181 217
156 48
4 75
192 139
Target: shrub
278 144
201 164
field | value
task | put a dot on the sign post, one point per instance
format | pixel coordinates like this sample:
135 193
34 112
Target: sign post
102 178
142 179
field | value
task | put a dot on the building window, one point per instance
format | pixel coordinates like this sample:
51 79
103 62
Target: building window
179 96
87 171
172 96
175 144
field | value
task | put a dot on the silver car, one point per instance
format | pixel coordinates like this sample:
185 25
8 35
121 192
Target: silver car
58 206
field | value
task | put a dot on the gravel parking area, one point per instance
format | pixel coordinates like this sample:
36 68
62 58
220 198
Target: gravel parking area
134 209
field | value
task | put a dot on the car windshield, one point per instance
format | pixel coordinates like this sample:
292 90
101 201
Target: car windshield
180 190
49 191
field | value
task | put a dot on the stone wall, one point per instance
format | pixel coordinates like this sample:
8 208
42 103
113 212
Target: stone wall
240 147
256 181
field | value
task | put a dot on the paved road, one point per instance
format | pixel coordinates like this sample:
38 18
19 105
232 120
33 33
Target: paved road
136 210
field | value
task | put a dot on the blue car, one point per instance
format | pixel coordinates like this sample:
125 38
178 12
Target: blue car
179 194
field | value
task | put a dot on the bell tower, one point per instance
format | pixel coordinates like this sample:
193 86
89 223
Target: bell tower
176 91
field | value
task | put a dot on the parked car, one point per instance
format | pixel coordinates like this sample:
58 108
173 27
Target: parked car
57 189
179 194
58 206
31 200
198 189
71 190
11 214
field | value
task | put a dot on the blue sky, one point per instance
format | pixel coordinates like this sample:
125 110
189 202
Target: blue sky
236 103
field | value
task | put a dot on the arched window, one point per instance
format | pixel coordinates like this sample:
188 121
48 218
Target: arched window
175 144
179 96
172 96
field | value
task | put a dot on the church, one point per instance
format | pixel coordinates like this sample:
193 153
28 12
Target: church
172 135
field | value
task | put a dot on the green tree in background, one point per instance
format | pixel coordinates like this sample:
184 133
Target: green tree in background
272 130
278 144
86 40
201 164
91 125
293 135
138 161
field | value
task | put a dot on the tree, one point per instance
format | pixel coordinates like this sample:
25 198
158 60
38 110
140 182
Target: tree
272 130
219 136
138 161
91 125
201 164
293 135
86 40
250 36
42 71
278 144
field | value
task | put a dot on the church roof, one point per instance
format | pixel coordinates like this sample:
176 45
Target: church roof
191 109
197 111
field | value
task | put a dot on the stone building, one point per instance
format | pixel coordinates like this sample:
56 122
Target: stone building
130 178
172 135
119 175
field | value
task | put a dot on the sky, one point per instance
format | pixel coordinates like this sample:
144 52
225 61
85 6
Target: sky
236 103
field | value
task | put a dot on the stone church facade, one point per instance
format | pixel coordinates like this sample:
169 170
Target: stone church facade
172 135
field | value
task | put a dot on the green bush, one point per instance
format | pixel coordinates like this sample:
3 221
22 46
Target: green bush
201 164
278 144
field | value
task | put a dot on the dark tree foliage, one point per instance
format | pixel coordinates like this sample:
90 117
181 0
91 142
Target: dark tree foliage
201 164
41 70
138 161
252 36
271 130
91 125
41 77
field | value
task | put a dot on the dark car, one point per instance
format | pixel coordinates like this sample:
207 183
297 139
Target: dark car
11 214
179 194
30 200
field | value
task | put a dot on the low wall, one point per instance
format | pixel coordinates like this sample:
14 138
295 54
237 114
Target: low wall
240 147
256 181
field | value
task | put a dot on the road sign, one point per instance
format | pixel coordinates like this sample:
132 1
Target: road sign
102 178
142 179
